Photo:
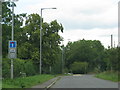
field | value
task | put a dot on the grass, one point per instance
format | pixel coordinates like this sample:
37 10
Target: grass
112 76
26 82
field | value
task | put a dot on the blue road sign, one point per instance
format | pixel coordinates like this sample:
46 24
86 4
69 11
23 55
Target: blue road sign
12 44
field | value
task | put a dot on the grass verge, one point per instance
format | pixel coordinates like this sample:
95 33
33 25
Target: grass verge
112 76
26 82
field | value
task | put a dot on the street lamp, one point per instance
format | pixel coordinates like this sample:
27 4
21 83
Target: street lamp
12 1
12 34
62 58
41 37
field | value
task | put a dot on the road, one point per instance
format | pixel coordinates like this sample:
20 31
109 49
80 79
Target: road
83 81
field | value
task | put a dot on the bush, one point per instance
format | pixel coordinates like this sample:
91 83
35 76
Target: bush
5 68
109 75
29 68
20 67
79 67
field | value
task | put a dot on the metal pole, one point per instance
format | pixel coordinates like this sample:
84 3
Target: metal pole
111 45
62 59
41 38
12 37
11 68
111 41
12 21
41 41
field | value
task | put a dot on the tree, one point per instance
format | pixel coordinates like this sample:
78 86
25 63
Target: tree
85 51
7 26
50 41
79 67
28 37
112 59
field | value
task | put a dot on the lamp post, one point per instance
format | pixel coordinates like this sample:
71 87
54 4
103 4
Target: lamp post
12 35
41 38
12 38
62 58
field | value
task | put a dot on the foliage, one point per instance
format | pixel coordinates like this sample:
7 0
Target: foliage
113 76
79 67
23 51
57 67
26 82
50 41
84 51
20 66
6 26
28 42
77 55
6 68
111 59
93 52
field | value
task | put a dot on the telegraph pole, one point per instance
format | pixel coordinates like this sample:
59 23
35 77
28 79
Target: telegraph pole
111 41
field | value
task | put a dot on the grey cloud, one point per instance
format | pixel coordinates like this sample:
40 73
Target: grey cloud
87 25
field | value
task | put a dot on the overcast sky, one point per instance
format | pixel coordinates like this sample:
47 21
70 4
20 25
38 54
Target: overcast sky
88 19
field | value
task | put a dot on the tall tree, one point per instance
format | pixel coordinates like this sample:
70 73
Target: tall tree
85 51
50 40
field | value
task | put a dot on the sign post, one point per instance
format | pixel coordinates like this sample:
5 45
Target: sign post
12 45
12 49
12 54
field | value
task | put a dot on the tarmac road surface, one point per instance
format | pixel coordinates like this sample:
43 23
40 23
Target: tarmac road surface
83 81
